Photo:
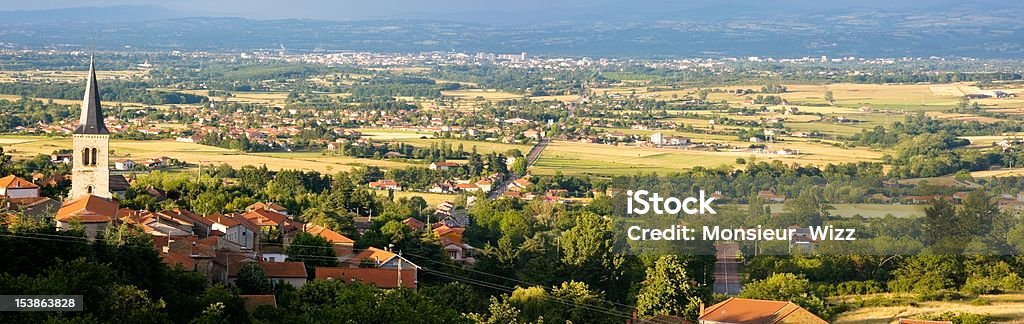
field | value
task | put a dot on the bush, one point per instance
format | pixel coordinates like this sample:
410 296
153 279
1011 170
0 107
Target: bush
942 294
858 288
960 318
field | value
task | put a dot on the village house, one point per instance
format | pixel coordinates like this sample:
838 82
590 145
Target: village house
377 277
385 184
15 187
124 165
373 257
451 242
443 166
771 196
273 226
93 212
450 215
342 245
292 273
268 206
236 229
742 310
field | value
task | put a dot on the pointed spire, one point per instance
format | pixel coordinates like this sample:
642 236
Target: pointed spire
91 121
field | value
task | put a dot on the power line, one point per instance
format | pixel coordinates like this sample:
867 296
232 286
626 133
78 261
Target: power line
477 282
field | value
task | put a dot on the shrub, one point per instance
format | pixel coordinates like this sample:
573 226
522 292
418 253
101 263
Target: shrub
960 318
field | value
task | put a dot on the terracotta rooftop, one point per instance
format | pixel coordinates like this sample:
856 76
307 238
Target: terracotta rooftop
413 223
267 206
13 182
284 269
381 278
742 310
88 209
263 217
371 253
328 234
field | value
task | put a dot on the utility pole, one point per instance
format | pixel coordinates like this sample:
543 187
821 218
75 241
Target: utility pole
400 271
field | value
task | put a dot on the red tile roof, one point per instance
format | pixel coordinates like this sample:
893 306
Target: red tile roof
13 182
371 253
381 278
413 223
268 206
328 234
742 310
88 209
284 269
263 217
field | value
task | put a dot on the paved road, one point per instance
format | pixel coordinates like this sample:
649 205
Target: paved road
727 278
531 158
534 154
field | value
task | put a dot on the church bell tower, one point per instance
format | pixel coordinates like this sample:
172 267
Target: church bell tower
90 174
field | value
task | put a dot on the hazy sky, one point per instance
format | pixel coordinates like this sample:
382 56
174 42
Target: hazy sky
319 9
491 11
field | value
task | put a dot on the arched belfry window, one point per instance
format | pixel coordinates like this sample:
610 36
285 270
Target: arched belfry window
94 156
85 156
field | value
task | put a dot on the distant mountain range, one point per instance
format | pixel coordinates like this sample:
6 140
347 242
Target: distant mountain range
870 28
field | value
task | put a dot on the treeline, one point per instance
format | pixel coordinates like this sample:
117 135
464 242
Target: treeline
913 125
927 147
126 91
25 113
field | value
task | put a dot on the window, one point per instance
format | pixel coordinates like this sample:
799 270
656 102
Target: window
88 190
85 156
93 156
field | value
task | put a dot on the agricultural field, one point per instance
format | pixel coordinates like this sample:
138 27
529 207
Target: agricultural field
253 97
601 159
72 102
1005 308
24 146
68 76
433 199
869 210
421 139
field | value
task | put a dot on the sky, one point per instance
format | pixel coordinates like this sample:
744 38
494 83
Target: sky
320 9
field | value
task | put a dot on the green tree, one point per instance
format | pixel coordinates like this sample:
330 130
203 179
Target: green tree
588 252
253 281
312 250
519 166
939 223
668 289
788 287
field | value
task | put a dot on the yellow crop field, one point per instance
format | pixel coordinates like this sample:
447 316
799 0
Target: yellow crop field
1006 308
610 160
196 153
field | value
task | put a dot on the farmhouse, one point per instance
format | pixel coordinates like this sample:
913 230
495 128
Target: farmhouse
385 184
443 166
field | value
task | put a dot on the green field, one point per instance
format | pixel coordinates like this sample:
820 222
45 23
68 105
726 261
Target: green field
609 160
27 146
869 210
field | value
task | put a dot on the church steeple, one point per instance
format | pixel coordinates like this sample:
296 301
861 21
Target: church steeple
91 121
